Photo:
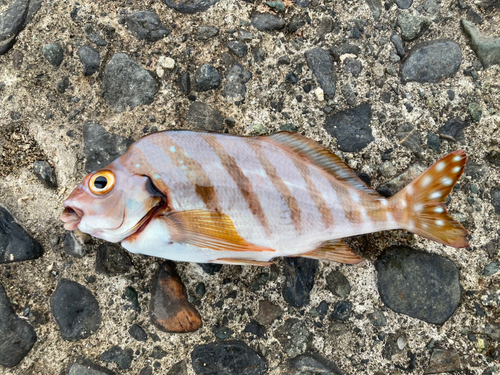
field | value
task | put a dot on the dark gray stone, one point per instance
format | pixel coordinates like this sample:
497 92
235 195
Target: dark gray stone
83 366
267 22
321 64
18 336
432 61
492 331
206 32
376 8
90 60
295 24
486 47
203 117
491 269
342 311
235 88
122 357
313 364
63 85
239 49
422 285
54 54
15 243
222 332
146 26
343 49
75 310
101 147
475 111
229 358
349 94
408 136
126 84
293 336
338 284
184 83
206 78
292 78
93 36
495 200
433 141
453 130
73 246
412 27
352 66
404 4
259 55
190 6
299 280
137 332
254 327
443 360
351 128
431 7
398 44
324 27
158 353
377 318
488 3
112 260
45 173
180 368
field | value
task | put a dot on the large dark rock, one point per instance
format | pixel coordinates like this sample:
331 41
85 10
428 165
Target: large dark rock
299 280
101 147
126 84
83 366
17 335
432 61
351 128
203 117
146 26
312 363
228 358
75 310
15 243
442 361
321 64
267 22
422 285
486 47
190 6
112 260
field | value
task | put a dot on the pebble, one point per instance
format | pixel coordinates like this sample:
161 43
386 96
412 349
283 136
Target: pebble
45 174
184 83
453 130
166 62
146 25
349 95
16 244
18 336
203 117
495 200
112 260
376 8
312 364
100 147
75 310
190 6
475 111
443 360
90 59
235 90
422 285
222 332
239 49
295 24
492 331
342 311
387 169
299 280
63 85
170 310
267 22
352 66
126 84
83 366
210 268
206 32
433 141
404 4
409 138
377 318
320 94
54 54
351 128
268 312
137 332
229 358
486 48
432 61
206 78
293 336
73 245
180 368
292 78
338 284
412 27
122 357
398 44
321 64
254 327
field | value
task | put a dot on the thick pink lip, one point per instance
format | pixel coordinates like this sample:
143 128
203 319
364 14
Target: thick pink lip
71 217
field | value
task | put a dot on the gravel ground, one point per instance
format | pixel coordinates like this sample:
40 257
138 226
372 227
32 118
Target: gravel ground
390 87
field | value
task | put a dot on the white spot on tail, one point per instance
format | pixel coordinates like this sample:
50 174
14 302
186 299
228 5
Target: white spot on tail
435 195
411 225
446 181
440 166
172 148
389 217
403 203
418 207
409 189
455 169
354 196
426 181
425 226
439 223
384 202
456 158
438 210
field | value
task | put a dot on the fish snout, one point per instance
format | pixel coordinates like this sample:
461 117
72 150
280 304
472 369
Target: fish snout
71 217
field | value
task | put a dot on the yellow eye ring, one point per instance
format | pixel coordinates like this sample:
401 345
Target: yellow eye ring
102 182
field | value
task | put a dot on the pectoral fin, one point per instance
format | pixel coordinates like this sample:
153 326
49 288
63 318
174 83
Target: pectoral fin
334 250
243 262
208 229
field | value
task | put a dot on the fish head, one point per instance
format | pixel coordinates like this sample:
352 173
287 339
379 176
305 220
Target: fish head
111 204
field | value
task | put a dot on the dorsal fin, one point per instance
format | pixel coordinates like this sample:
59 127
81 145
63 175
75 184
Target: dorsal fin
319 156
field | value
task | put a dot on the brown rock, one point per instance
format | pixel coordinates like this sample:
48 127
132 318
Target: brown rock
268 312
443 361
170 309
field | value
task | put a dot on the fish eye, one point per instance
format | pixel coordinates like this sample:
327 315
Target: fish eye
102 182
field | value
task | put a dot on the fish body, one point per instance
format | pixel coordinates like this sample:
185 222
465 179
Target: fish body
207 197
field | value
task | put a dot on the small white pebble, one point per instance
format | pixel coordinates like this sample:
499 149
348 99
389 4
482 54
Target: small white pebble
159 71
166 62
320 94
401 343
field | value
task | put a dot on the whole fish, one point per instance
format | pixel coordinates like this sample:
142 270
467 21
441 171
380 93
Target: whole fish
219 198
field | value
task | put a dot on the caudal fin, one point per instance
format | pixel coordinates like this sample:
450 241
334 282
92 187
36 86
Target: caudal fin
423 200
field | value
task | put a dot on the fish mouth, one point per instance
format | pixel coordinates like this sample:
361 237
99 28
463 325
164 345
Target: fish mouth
71 217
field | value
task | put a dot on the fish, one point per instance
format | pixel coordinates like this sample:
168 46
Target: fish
219 198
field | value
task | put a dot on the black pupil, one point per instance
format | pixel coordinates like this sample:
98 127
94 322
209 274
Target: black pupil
100 182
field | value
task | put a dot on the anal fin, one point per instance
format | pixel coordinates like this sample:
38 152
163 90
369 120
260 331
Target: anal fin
243 262
334 250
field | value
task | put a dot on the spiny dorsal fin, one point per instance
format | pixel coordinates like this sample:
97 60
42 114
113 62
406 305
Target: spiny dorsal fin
321 157
334 250
208 229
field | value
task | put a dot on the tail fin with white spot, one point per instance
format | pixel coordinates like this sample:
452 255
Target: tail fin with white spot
425 212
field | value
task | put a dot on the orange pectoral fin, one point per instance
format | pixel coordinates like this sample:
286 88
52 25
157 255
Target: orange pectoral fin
242 262
334 250
208 229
